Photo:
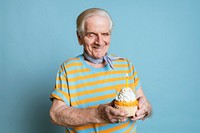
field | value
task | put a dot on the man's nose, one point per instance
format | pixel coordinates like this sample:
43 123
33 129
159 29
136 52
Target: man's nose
99 39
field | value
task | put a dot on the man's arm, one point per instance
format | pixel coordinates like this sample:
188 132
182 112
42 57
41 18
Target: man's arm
67 116
144 107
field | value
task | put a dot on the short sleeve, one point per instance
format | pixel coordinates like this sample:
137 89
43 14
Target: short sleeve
134 76
137 82
60 91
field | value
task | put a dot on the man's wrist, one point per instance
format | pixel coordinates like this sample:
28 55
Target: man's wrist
100 115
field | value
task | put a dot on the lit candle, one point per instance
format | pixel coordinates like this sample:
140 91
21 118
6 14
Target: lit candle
126 80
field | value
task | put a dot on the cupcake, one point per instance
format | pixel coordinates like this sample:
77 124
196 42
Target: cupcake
126 100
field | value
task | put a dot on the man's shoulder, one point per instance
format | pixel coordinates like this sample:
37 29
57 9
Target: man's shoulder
119 58
73 60
69 64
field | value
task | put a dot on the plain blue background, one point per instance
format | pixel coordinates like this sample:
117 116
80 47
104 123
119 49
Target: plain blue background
161 37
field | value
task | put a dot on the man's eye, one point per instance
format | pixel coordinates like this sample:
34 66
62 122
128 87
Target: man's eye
105 34
91 35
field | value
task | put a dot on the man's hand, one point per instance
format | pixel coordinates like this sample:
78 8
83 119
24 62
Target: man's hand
144 109
109 114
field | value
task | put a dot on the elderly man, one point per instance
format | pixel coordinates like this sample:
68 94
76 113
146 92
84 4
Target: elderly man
86 85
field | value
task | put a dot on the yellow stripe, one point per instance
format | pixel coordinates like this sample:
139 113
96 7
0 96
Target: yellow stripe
93 99
120 126
64 93
85 127
95 75
97 90
62 69
71 131
95 83
61 78
134 74
71 59
88 76
118 88
136 81
131 128
104 131
74 64
98 74
78 71
120 60
120 65
64 86
68 65
56 97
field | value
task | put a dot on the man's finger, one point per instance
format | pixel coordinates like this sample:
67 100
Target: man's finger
138 117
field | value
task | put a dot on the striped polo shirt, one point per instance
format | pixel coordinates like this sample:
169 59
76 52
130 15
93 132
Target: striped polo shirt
80 85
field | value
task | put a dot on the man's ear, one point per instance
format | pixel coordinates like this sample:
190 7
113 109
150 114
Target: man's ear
79 38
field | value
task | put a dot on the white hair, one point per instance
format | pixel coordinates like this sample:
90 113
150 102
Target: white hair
80 22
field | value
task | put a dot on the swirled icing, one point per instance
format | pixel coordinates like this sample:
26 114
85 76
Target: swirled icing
126 94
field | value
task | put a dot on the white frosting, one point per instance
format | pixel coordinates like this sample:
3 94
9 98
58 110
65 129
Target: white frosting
126 95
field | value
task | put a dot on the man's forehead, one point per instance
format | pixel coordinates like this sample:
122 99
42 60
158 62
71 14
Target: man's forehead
97 17
97 21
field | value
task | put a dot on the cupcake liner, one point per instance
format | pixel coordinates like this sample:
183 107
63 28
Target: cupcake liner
131 110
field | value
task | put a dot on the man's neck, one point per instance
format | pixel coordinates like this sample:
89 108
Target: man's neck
101 65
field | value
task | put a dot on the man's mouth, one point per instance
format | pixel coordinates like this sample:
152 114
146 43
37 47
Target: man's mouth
98 47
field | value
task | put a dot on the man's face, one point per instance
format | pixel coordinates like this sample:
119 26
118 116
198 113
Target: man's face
96 37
